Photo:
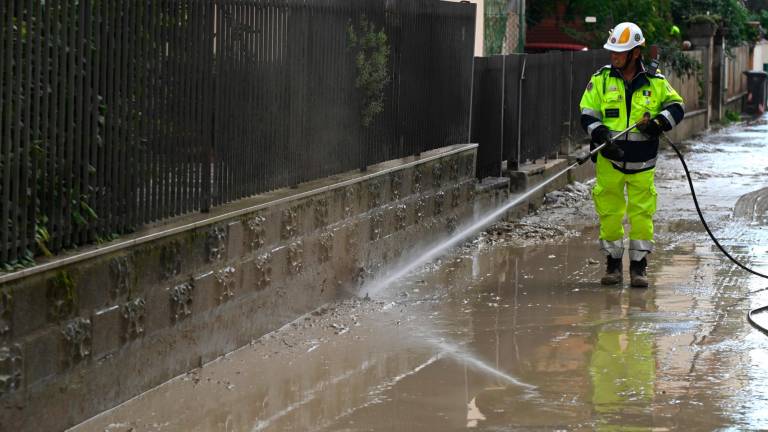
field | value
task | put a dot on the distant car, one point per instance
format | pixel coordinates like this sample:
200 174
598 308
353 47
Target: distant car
540 47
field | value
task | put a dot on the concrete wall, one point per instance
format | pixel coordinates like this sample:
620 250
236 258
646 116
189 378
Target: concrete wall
79 339
688 86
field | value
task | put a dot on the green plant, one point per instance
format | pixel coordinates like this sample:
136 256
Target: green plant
675 59
372 63
704 19
62 296
495 26
732 116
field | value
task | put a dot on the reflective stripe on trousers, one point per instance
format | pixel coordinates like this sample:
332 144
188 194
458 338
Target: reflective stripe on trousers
612 203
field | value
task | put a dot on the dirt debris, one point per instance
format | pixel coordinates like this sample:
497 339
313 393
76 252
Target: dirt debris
571 195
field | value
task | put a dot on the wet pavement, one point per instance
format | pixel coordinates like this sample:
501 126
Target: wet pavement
513 332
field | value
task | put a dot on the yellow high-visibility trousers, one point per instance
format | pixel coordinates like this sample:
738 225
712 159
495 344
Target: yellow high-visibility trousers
612 204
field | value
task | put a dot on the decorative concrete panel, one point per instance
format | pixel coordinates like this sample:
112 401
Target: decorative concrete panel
181 300
351 198
352 239
206 292
11 368
418 178
78 337
439 203
454 169
289 223
120 272
420 210
470 192
396 185
235 240
325 247
6 311
170 261
452 224
225 283
216 244
257 233
469 165
377 226
401 217
133 312
437 175
107 331
374 194
262 271
295 263
61 297
321 209
455 197
42 354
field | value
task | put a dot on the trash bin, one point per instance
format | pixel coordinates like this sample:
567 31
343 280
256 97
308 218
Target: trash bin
756 92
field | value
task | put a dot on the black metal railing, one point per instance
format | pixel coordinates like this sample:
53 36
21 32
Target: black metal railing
114 113
525 106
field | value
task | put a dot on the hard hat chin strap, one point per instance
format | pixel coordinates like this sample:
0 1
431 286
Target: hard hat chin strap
627 60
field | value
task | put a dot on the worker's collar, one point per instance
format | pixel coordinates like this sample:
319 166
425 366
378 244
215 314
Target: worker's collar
641 74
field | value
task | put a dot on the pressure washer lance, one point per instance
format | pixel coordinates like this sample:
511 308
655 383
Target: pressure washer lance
594 151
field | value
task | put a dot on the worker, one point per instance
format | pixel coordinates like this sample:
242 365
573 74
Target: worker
617 96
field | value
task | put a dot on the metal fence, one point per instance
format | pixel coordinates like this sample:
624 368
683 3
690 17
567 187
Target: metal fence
526 105
114 113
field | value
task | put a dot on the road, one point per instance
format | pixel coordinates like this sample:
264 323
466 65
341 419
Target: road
512 331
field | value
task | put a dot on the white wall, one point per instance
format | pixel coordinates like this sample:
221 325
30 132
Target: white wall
760 55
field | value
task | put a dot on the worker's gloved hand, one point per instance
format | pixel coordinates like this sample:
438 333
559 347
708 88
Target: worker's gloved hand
653 127
601 134
612 151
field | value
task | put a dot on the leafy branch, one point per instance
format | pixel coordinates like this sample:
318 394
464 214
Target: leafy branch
372 62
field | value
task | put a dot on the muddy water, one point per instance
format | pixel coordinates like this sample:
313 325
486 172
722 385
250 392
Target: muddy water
679 355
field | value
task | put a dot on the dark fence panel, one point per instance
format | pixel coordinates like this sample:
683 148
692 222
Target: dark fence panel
541 94
542 114
488 116
102 118
287 107
513 73
585 63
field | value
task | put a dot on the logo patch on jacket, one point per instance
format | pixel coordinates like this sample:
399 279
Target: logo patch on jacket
612 112
647 93
589 86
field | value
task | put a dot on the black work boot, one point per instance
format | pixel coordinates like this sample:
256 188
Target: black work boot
637 275
613 272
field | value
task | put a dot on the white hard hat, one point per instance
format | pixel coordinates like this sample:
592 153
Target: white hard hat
624 37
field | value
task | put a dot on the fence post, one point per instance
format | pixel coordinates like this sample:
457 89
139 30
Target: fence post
568 114
207 162
516 163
